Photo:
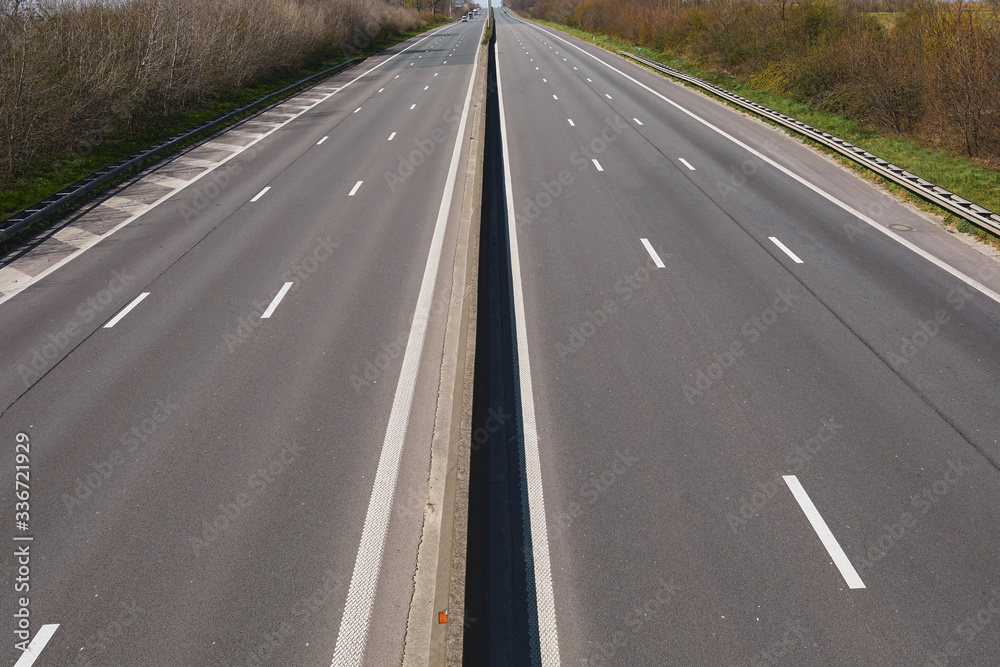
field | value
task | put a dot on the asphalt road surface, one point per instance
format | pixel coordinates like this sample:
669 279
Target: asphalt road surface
202 465
765 395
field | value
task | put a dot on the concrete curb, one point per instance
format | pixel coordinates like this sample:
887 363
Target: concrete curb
439 581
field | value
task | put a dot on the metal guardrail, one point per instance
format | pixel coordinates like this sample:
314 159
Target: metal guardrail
977 215
40 210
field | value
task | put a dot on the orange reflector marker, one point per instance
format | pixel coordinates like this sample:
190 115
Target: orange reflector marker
442 617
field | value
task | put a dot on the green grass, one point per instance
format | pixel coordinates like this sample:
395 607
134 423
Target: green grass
49 175
960 175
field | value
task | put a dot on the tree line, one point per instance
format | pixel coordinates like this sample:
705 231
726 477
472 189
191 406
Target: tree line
926 69
74 72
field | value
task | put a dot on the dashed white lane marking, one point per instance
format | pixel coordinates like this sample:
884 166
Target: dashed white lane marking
788 252
38 642
391 136
597 164
355 188
687 164
944 266
589 80
261 193
607 96
555 97
125 311
426 87
841 560
652 253
322 140
276 300
380 90
544 80
357 110
637 121
412 107
571 123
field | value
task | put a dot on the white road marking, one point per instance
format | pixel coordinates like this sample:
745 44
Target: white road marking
535 522
445 62
357 110
589 80
536 68
412 107
544 80
261 193
607 96
353 635
38 642
391 136
322 140
435 73
381 89
396 77
276 300
826 537
787 251
652 253
555 97
426 87
208 165
574 67
687 164
571 123
597 164
355 188
637 121
125 311
799 179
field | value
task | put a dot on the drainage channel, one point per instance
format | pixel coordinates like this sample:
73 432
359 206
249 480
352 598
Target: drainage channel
499 598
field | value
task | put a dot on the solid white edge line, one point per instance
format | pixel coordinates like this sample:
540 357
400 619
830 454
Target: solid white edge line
597 164
822 193
124 223
355 188
260 194
548 634
352 637
687 164
276 300
125 311
652 253
841 560
788 252
38 642
322 140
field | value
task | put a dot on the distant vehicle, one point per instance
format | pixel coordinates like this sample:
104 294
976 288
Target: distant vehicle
465 18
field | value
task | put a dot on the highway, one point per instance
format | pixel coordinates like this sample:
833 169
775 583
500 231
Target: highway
759 396
754 397
227 373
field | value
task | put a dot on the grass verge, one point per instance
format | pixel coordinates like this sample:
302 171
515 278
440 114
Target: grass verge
56 172
960 175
